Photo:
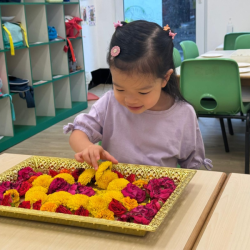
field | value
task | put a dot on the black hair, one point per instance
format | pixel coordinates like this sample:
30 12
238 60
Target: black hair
145 48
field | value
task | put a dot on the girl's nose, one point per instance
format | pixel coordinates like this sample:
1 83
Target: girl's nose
130 100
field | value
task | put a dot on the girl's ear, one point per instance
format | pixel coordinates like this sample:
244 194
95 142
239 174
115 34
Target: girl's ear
167 76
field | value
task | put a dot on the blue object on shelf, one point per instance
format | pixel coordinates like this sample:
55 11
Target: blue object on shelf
52 33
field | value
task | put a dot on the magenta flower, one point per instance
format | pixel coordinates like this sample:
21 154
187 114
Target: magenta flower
58 184
25 173
134 192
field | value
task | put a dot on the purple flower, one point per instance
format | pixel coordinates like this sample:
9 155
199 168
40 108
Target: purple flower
134 192
58 184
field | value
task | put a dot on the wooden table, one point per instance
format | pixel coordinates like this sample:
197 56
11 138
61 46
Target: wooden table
228 225
179 230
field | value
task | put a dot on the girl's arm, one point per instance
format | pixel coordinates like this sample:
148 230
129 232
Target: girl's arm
79 141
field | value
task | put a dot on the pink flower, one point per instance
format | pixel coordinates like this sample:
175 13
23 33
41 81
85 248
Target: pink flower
134 192
118 24
25 173
154 205
58 184
115 51
78 188
140 219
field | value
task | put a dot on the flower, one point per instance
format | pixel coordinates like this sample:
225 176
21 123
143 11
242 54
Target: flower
49 207
78 188
58 184
125 218
3 187
115 51
59 198
104 166
76 201
118 24
106 178
134 192
37 188
25 186
155 205
25 204
81 211
112 194
131 178
67 177
166 28
43 181
34 196
37 205
31 179
64 170
13 194
97 204
63 210
86 176
140 183
172 34
129 203
118 173
25 173
77 172
53 173
105 214
139 219
6 200
118 184
116 207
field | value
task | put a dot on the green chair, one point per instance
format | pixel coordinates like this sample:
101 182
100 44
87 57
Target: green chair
177 58
213 88
190 49
242 42
230 38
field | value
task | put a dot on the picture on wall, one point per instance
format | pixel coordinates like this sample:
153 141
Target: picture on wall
91 15
84 15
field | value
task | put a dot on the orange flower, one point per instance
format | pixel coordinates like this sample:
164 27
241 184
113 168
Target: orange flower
166 28
49 206
31 179
64 170
129 203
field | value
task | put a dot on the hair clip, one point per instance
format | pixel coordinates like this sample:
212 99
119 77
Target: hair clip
166 28
172 34
115 51
118 24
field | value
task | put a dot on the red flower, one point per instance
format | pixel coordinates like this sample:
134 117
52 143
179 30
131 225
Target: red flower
81 211
134 192
7 200
119 174
25 173
37 205
53 173
140 219
25 204
25 186
77 172
63 210
155 205
116 207
131 178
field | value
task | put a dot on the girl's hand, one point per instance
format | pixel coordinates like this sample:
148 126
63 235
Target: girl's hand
94 153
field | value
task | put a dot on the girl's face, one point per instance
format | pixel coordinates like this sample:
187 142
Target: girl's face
139 92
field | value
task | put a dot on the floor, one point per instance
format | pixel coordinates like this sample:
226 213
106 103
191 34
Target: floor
52 141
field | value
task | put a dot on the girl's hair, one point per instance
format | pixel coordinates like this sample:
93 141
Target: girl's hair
145 48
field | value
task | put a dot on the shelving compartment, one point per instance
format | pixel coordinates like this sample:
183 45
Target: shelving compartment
55 18
40 64
78 51
3 74
37 27
62 95
1 34
6 127
78 87
17 11
59 60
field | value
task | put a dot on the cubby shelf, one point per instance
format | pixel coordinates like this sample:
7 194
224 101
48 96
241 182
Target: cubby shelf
58 93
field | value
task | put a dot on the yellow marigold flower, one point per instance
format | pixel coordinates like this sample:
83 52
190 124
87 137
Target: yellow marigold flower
78 200
99 192
35 196
67 177
37 188
97 204
106 178
49 206
59 198
86 176
104 166
118 184
129 203
140 183
13 194
105 214
43 181
109 195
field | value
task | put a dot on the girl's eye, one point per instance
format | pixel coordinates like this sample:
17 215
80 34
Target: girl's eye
119 90
144 93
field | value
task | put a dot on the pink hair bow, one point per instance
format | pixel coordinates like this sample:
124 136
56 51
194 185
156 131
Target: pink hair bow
172 34
118 24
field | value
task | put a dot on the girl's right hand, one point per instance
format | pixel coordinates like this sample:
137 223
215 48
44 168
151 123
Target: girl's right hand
94 153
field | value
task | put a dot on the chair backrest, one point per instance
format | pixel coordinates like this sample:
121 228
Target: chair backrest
190 49
212 86
229 39
242 42
177 58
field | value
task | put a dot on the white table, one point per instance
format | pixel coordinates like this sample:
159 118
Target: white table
220 47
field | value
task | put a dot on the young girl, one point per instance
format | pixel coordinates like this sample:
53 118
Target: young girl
144 119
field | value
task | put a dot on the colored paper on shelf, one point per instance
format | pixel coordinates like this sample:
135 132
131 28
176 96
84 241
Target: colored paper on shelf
1 137
57 76
39 82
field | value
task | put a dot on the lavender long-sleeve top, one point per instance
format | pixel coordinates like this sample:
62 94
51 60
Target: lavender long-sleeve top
157 138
